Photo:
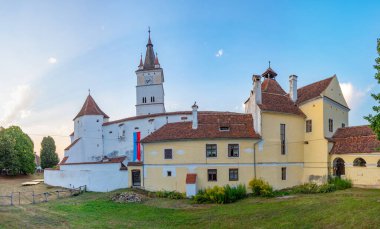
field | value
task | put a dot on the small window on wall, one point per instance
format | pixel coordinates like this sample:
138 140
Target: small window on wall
331 125
169 173
378 163
211 150
144 99
282 137
233 150
168 154
283 173
360 162
234 174
343 125
212 175
309 127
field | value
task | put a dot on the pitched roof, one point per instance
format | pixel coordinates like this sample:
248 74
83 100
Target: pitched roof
275 99
240 126
147 116
72 144
312 90
191 178
356 139
103 161
64 159
279 103
269 73
90 108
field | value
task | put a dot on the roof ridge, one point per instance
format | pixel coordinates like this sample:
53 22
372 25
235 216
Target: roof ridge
317 81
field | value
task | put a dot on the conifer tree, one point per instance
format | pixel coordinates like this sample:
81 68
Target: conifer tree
374 120
49 157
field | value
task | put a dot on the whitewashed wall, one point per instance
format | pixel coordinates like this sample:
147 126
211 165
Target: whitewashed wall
97 177
115 146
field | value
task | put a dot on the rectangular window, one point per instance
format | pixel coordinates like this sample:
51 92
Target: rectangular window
211 150
331 125
234 174
212 174
283 173
309 127
169 173
282 136
233 150
343 125
168 153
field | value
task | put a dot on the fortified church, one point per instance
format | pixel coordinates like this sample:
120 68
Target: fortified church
286 137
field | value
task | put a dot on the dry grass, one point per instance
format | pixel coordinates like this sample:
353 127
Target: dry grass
12 184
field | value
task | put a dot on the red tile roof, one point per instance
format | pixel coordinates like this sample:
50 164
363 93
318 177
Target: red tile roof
90 108
240 126
313 90
271 86
158 114
147 116
135 163
356 139
64 159
275 99
72 144
104 161
191 178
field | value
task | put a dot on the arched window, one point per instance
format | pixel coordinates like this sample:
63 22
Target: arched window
360 162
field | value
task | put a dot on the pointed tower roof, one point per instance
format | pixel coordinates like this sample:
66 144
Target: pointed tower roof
90 108
156 62
149 56
141 65
269 73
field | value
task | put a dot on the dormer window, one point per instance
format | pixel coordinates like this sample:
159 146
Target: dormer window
224 128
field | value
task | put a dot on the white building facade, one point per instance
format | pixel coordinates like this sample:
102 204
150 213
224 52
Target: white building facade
100 150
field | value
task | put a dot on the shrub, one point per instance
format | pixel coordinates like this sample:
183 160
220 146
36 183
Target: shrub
307 188
233 194
260 187
339 183
170 194
221 195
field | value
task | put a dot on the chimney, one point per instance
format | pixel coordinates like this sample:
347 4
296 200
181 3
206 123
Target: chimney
293 87
257 88
195 115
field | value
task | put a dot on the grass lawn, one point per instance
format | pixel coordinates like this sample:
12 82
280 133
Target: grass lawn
352 208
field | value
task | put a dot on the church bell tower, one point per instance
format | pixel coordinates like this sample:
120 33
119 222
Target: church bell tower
150 89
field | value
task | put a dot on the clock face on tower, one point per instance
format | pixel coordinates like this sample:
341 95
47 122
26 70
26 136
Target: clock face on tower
148 79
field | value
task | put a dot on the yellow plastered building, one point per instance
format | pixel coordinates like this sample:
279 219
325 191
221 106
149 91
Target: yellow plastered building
284 137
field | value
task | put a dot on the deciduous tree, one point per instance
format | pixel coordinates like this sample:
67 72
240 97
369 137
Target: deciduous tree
374 120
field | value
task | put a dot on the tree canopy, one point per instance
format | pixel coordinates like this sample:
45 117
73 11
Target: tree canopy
374 120
16 151
49 157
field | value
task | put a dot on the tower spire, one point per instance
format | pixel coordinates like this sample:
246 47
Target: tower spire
149 56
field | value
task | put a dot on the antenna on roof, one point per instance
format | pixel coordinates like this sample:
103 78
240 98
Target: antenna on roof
89 91
269 63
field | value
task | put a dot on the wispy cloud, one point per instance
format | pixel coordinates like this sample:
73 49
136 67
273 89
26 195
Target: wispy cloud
354 95
18 106
52 60
219 53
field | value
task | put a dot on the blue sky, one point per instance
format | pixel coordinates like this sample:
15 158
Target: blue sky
52 52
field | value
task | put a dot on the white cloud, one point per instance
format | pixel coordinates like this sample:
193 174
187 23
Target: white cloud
352 94
18 106
52 60
219 53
